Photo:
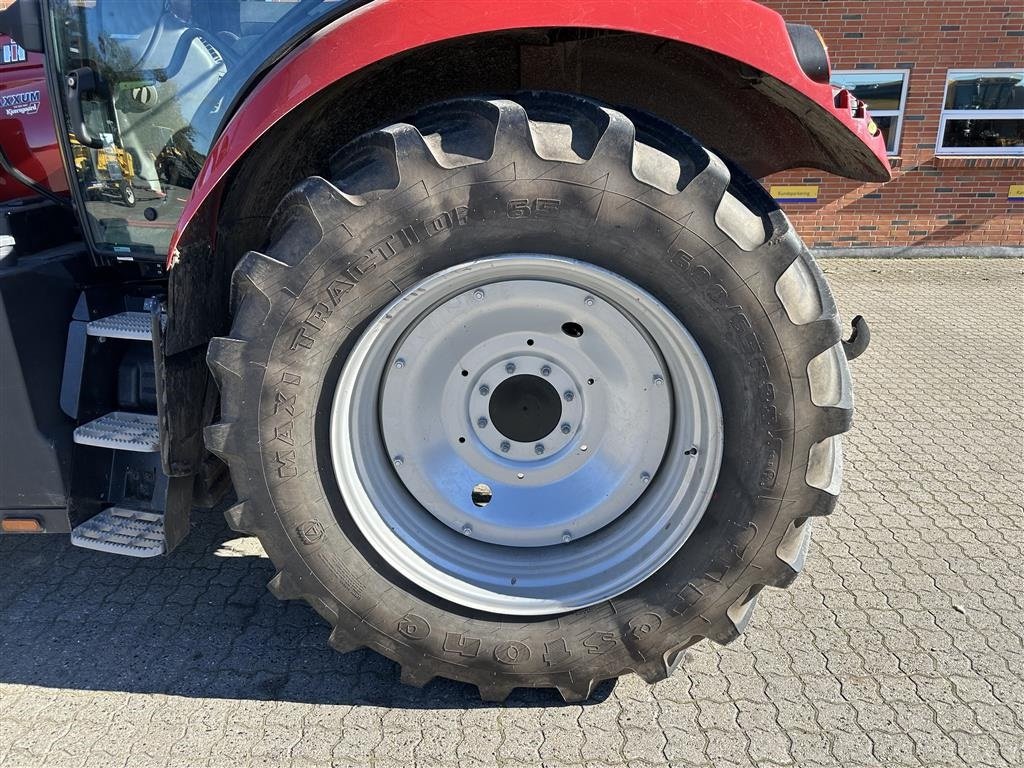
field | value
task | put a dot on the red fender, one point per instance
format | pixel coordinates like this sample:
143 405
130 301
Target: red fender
741 29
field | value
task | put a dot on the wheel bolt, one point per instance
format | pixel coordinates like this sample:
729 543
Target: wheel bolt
399 363
481 422
566 537
538 448
589 301
569 395
566 429
545 370
399 461
478 294
510 368
505 446
484 389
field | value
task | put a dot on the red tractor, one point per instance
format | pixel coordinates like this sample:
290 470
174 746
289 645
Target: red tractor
521 377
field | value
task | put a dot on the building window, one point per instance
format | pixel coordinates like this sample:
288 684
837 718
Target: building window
983 113
885 93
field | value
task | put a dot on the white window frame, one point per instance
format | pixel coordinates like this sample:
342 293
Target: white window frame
897 113
975 114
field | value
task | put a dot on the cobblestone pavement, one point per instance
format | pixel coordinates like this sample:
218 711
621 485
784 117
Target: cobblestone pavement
900 645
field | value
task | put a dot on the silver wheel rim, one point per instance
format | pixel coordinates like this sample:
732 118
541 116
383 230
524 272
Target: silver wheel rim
463 473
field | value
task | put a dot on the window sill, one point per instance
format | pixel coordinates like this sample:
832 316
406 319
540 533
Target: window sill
977 161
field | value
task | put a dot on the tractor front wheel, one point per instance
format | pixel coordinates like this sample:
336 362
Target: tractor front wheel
531 393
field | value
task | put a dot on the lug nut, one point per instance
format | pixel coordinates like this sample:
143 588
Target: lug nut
478 294
399 363
484 389
505 446
481 422
566 429
510 368
545 370
538 448
569 395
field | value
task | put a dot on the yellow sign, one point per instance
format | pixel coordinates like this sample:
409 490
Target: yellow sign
795 193
1016 192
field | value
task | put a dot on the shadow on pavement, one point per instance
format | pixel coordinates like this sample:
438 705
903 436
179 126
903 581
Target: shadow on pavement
199 623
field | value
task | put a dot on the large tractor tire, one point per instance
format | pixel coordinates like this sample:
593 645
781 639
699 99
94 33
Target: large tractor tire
531 393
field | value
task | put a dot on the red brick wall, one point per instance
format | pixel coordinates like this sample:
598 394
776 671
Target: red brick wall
931 202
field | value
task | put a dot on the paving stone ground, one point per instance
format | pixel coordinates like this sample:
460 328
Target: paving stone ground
901 645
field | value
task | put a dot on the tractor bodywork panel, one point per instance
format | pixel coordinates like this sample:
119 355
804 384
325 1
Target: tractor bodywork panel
770 117
26 123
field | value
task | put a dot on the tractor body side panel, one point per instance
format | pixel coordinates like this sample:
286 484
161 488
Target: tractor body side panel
837 138
26 123
37 297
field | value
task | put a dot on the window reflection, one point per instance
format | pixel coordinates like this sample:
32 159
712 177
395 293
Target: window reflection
166 72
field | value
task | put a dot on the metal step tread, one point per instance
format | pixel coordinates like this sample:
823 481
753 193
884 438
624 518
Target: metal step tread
124 325
122 531
122 431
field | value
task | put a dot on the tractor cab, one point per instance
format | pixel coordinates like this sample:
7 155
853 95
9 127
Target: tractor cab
141 88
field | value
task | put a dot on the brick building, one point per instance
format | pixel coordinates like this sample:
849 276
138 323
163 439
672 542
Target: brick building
945 79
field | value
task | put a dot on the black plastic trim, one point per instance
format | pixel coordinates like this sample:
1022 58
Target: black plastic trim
810 52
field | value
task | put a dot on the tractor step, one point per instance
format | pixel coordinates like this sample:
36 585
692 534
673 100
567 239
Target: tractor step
136 326
122 431
121 531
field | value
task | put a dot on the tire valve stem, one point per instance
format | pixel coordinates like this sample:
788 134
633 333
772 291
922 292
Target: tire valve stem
645 477
589 301
659 379
478 294
399 363
399 461
467 529
566 537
